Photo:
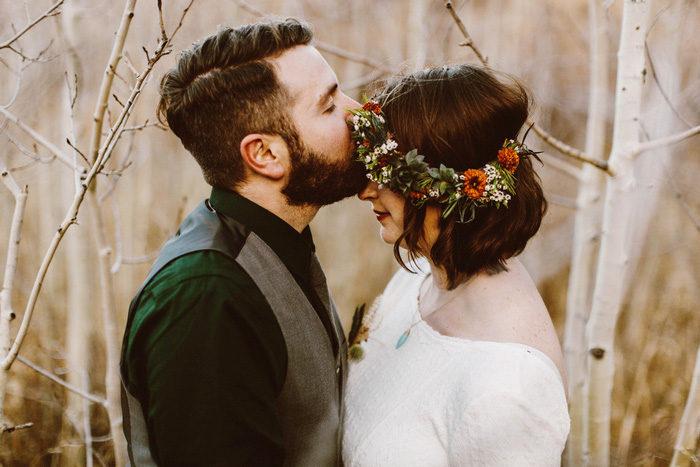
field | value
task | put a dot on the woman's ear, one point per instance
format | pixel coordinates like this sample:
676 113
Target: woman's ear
266 155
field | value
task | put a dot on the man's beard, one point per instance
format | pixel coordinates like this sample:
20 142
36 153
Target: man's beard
315 181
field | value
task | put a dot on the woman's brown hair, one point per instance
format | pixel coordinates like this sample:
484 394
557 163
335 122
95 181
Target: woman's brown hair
460 116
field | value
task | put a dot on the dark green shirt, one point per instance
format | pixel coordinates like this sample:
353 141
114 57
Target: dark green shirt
205 355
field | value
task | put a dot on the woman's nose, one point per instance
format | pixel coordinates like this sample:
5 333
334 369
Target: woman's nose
369 192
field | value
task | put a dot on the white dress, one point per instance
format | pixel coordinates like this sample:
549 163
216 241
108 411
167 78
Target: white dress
440 400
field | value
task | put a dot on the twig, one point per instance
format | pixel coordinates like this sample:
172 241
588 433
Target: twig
31 154
562 166
652 68
562 201
77 151
108 79
679 197
40 139
362 81
72 213
45 15
91 397
666 141
353 57
546 137
73 99
469 42
10 429
179 25
331 49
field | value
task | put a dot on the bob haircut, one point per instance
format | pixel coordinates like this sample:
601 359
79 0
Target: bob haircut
460 116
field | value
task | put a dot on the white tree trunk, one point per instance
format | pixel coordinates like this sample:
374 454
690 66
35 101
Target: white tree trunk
417 47
7 315
614 251
79 265
686 447
586 231
111 334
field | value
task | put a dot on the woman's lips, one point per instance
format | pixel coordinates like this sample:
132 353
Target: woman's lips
381 215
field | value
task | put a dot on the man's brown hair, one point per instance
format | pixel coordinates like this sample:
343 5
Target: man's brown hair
225 88
460 116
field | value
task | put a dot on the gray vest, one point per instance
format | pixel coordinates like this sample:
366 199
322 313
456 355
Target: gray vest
310 403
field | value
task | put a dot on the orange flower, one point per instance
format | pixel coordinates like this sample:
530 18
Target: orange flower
474 183
508 158
373 107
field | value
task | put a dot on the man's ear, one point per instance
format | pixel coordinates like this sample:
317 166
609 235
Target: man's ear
266 155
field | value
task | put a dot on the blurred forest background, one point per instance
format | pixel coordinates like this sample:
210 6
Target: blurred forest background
151 183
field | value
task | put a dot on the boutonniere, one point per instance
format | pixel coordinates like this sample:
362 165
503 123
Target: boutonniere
362 321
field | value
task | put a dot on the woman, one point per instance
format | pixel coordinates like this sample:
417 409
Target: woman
459 364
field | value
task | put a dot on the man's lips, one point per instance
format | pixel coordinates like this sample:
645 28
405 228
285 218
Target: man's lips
381 214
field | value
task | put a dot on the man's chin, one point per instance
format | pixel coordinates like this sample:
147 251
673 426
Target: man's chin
328 191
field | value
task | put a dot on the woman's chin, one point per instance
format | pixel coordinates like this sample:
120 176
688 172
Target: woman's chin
388 236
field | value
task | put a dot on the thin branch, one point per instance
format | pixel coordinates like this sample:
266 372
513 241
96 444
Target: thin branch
31 154
145 125
108 79
362 81
666 141
40 139
10 429
331 49
179 25
46 14
546 137
679 197
566 149
353 57
91 397
562 201
652 68
72 213
562 166
469 42
73 96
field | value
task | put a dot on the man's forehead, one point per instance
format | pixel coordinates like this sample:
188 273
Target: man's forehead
305 73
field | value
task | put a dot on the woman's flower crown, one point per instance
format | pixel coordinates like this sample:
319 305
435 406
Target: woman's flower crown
464 192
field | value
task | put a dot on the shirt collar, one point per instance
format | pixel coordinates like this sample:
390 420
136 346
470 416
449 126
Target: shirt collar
293 248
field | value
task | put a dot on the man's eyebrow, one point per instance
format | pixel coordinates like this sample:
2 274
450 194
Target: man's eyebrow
327 95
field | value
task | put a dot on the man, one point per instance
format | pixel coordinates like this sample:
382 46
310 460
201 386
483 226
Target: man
233 352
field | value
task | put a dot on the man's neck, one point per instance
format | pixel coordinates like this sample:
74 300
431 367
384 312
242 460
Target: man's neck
298 217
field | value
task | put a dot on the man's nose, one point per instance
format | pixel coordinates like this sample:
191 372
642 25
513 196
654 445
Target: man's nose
349 103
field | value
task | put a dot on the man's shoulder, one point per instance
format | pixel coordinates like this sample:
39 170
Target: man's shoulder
197 266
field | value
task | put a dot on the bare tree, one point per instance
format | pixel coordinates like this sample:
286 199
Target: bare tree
99 153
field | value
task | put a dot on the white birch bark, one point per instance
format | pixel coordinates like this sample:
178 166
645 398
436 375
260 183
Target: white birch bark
79 277
7 315
685 451
112 380
614 251
111 333
417 47
586 239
